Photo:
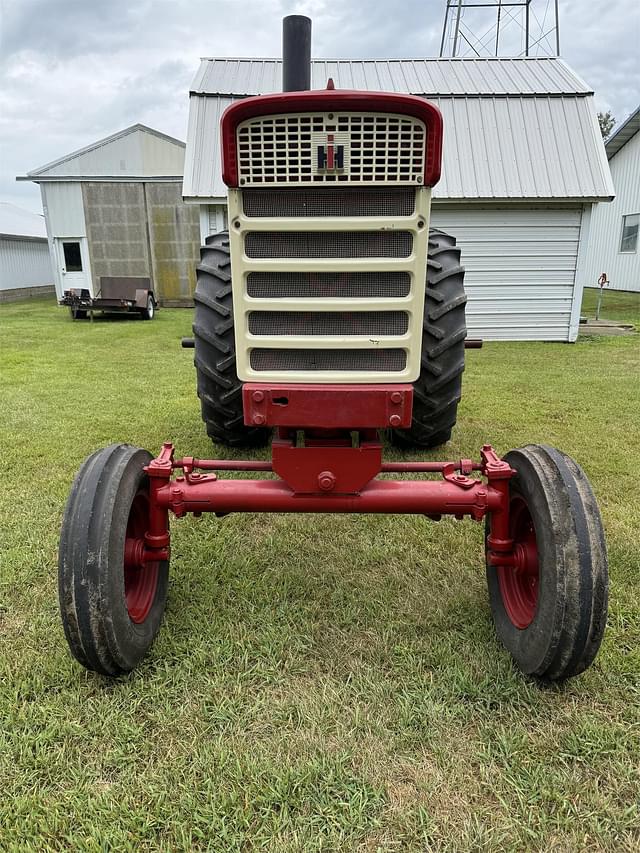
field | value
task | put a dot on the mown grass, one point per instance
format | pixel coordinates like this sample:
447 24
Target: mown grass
320 683
617 305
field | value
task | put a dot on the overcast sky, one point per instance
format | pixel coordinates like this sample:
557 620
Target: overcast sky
74 71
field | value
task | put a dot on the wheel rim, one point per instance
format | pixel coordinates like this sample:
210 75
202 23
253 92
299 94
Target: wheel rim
140 578
519 584
150 308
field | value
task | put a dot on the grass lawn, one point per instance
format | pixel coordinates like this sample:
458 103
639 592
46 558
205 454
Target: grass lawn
616 305
320 683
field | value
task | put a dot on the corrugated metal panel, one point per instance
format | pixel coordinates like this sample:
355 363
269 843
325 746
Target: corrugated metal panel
203 163
461 77
603 255
24 263
504 148
526 148
520 268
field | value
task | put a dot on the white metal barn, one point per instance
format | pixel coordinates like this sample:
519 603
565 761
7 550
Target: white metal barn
114 210
25 266
614 244
523 165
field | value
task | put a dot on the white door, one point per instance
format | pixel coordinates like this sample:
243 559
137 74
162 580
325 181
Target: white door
72 262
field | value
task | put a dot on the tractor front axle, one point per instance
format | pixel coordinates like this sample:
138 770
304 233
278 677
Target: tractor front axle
456 493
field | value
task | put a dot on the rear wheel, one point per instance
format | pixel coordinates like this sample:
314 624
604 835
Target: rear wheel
219 389
149 312
111 604
437 391
550 610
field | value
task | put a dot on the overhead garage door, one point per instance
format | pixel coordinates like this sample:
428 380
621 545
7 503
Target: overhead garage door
520 268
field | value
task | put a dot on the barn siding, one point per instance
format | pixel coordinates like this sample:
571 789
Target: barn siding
622 268
24 263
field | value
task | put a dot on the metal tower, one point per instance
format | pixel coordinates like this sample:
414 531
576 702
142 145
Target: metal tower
500 28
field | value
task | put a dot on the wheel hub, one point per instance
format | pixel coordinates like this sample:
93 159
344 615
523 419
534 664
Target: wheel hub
140 577
519 582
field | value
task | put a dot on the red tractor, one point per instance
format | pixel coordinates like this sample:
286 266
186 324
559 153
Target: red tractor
328 313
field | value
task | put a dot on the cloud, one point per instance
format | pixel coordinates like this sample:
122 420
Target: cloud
74 71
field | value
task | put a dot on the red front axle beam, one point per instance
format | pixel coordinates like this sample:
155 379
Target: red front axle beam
456 494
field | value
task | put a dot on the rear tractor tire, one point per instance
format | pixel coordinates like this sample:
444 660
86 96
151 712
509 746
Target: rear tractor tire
550 611
219 389
111 610
437 391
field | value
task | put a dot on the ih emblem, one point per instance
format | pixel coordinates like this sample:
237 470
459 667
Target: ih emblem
330 156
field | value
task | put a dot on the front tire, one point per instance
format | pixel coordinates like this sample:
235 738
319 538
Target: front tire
111 610
219 389
437 391
550 612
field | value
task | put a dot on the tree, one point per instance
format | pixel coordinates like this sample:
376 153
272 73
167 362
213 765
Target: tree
606 122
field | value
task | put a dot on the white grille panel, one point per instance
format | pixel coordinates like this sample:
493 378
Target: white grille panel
376 149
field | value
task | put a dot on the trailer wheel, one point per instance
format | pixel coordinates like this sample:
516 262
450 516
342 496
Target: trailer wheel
550 612
219 389
437 391
111 609
149 312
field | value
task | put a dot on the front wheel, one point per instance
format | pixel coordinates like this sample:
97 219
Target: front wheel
550 610
111 606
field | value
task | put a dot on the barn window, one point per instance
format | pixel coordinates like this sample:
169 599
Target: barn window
72 257
629 239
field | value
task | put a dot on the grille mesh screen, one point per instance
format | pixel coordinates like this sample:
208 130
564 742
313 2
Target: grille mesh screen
376 148
392 360
330 244
326 201
343 323
328 285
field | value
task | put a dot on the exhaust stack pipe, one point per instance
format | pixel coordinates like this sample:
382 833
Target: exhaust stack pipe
296 53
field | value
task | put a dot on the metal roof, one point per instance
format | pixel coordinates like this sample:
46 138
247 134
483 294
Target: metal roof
623 134
18 222
452 77
520 129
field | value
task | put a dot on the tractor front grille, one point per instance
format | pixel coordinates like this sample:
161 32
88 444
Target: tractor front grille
329 278
313 360
329 323
328 285
365 201
328 244
376 149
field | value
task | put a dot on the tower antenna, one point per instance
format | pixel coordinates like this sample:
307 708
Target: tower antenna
500 28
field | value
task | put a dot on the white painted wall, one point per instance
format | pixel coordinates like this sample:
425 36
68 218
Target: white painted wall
24 263
64 214
603 254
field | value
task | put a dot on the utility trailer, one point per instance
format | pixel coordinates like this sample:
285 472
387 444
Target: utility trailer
329 316
117 295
